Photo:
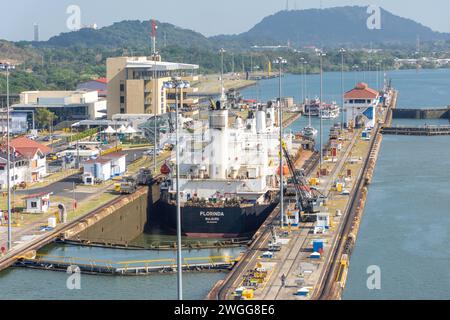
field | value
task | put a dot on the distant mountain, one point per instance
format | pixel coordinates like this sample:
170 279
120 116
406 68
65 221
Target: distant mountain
332 27
340 26
130 33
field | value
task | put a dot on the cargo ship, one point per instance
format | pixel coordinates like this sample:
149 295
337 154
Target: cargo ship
228 175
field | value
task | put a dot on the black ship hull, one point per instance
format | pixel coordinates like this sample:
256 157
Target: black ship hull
207 222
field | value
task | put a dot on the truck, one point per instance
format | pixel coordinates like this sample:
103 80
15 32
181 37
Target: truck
144 177
128 185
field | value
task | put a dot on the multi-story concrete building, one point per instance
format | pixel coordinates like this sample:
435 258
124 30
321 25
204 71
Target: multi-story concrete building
136 85
67 105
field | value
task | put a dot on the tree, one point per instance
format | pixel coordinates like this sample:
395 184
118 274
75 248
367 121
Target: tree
44 117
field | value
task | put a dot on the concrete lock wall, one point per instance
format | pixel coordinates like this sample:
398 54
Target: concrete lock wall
118 223
421 113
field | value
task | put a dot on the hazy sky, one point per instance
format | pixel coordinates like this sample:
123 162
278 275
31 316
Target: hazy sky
209 17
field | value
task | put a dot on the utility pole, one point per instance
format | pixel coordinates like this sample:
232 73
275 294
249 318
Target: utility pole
342 51
321 55
302 66
8 67
177 83
280 61
222 86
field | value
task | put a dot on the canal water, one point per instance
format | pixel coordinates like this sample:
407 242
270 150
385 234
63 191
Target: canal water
404 230
17 283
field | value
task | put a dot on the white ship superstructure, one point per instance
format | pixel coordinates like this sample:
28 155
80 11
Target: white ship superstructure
223 160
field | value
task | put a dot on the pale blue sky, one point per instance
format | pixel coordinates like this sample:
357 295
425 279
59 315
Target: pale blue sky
209 17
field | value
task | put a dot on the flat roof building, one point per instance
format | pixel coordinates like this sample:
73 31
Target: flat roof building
136 85
67 105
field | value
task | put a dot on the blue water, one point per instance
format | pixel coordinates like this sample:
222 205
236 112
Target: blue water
405 228
36 284
423 89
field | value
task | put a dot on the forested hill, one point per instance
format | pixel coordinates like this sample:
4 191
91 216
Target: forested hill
330 27
334 27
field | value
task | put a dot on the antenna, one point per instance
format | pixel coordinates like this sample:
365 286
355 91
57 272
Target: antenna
154 28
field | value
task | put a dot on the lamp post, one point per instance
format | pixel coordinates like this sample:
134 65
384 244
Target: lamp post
342 51
280 61
302 86
321 55
304 79
378 75
222 88
155 104
7 68
176 83
364 70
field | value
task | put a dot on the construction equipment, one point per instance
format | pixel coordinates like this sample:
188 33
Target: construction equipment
308 200
128 185
144 177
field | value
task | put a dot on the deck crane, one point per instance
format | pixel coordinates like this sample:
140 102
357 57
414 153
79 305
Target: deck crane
307 199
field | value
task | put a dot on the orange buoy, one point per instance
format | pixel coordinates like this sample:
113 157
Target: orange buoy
285 170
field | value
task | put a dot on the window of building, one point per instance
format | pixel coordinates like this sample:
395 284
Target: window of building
33 204
122 99
122 87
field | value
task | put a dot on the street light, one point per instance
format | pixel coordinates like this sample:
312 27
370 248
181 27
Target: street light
304 79
378 75
7 68
302 86
280 61
176 83
222 96
342 51
155 104
364 70
321 55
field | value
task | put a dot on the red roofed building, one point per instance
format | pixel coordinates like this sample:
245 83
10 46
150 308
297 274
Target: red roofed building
360 106
35 154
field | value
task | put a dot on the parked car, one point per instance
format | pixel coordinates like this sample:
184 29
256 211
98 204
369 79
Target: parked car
150 152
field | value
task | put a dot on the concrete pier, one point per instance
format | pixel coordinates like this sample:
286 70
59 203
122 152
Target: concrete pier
292 272
423 113
418 131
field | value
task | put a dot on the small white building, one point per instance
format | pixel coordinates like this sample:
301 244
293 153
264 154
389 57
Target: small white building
18 172
360 106
37 203
105 167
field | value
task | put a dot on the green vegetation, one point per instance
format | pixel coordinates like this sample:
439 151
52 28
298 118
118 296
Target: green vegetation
82 135
44 118
70 58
